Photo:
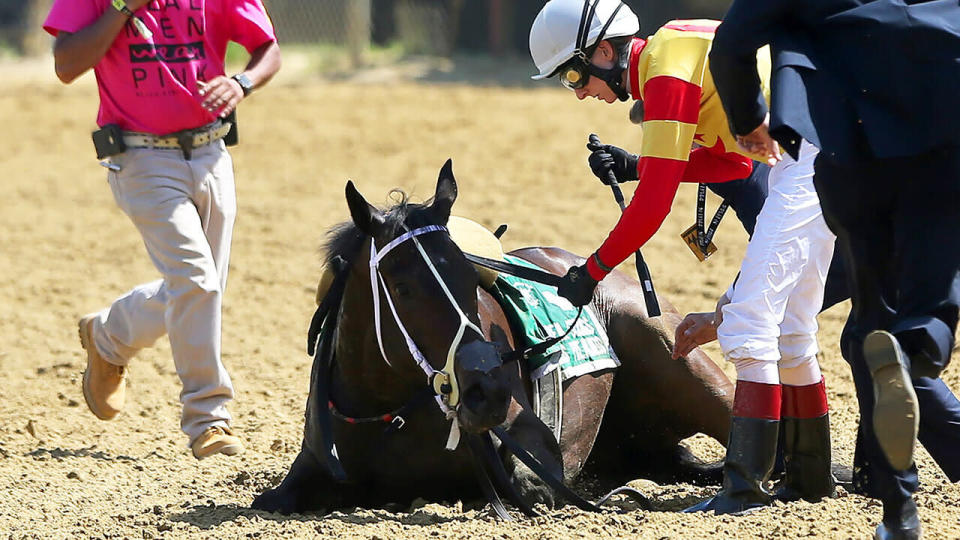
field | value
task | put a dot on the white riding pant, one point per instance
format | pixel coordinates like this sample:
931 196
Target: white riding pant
769 328
185 211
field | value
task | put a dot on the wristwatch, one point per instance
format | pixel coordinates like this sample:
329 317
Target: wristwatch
245 83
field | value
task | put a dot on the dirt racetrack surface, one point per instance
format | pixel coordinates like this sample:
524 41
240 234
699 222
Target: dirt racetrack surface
519 157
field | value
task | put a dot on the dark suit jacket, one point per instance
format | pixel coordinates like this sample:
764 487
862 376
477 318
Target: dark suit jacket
860 79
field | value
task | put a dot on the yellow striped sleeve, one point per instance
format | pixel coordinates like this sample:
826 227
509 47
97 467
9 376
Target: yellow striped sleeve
668 139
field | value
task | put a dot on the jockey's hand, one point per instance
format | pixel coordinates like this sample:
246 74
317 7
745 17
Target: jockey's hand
608 158
760 142
577 286
694 330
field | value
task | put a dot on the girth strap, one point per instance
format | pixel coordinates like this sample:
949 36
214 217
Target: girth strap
539 348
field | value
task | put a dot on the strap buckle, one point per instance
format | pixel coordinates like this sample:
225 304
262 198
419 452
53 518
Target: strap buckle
440 382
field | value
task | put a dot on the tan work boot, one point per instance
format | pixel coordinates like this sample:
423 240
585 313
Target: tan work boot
104 384
216 440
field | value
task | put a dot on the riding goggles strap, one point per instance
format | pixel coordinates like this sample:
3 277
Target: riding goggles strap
705 237
577 71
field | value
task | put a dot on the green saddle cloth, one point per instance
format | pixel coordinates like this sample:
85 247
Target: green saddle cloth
537 313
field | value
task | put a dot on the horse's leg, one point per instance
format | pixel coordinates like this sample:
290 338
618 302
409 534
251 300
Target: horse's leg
521 424
307 486
584 400
657 401
536 438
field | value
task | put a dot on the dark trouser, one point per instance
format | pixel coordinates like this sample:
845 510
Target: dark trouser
897 223
745 196
939 408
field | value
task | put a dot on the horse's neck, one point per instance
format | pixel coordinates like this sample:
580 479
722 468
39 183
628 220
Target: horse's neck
363 383
493 320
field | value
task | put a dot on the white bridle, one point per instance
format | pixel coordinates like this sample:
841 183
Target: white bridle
439 379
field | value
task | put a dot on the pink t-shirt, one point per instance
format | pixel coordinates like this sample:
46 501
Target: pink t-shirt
151 85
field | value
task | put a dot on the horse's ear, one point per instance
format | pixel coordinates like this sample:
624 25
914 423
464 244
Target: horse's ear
366 217
446 193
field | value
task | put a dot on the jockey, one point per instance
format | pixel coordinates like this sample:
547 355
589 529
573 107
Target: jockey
766 322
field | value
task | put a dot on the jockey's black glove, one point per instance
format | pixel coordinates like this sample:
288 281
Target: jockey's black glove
611 158
577 286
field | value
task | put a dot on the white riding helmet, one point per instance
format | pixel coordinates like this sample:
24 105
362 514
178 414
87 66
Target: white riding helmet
553 36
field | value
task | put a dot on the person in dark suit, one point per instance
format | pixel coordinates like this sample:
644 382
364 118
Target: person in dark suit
872 84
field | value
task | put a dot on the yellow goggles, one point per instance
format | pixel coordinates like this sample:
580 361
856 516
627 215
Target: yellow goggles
574 76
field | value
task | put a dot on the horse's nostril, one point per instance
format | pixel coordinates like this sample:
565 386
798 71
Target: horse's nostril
474 397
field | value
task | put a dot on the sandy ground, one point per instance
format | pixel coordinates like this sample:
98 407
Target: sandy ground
65 249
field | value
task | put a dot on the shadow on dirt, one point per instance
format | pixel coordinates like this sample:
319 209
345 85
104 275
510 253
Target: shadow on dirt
209 516
88 452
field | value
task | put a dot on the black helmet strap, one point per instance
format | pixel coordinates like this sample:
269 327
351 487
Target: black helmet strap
613 76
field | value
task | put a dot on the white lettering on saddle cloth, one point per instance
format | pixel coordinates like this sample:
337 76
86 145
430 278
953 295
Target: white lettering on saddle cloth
543 314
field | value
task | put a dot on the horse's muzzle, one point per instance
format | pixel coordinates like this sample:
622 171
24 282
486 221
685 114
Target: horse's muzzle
484 390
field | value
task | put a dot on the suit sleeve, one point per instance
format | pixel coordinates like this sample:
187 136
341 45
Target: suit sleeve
746 27
672 108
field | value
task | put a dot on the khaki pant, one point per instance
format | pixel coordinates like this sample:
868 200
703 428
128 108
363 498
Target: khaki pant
185 212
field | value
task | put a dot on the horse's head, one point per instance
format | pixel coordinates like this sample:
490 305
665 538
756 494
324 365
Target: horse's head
424 287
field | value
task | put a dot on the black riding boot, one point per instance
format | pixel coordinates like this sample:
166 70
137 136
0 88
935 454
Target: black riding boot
750 453
900 522
806 459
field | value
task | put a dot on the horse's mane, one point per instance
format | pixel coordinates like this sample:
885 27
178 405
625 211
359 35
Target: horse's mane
344 239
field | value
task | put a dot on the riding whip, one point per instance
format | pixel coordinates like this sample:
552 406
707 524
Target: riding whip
643 273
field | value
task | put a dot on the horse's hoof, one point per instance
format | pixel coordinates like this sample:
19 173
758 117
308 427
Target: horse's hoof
272 500
531 488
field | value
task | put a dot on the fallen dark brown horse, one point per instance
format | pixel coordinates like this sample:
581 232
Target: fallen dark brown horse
626 423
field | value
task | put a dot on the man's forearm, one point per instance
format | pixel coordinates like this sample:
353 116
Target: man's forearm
75 53
264 64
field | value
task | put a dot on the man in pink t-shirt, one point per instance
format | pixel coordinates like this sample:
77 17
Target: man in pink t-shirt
165 102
